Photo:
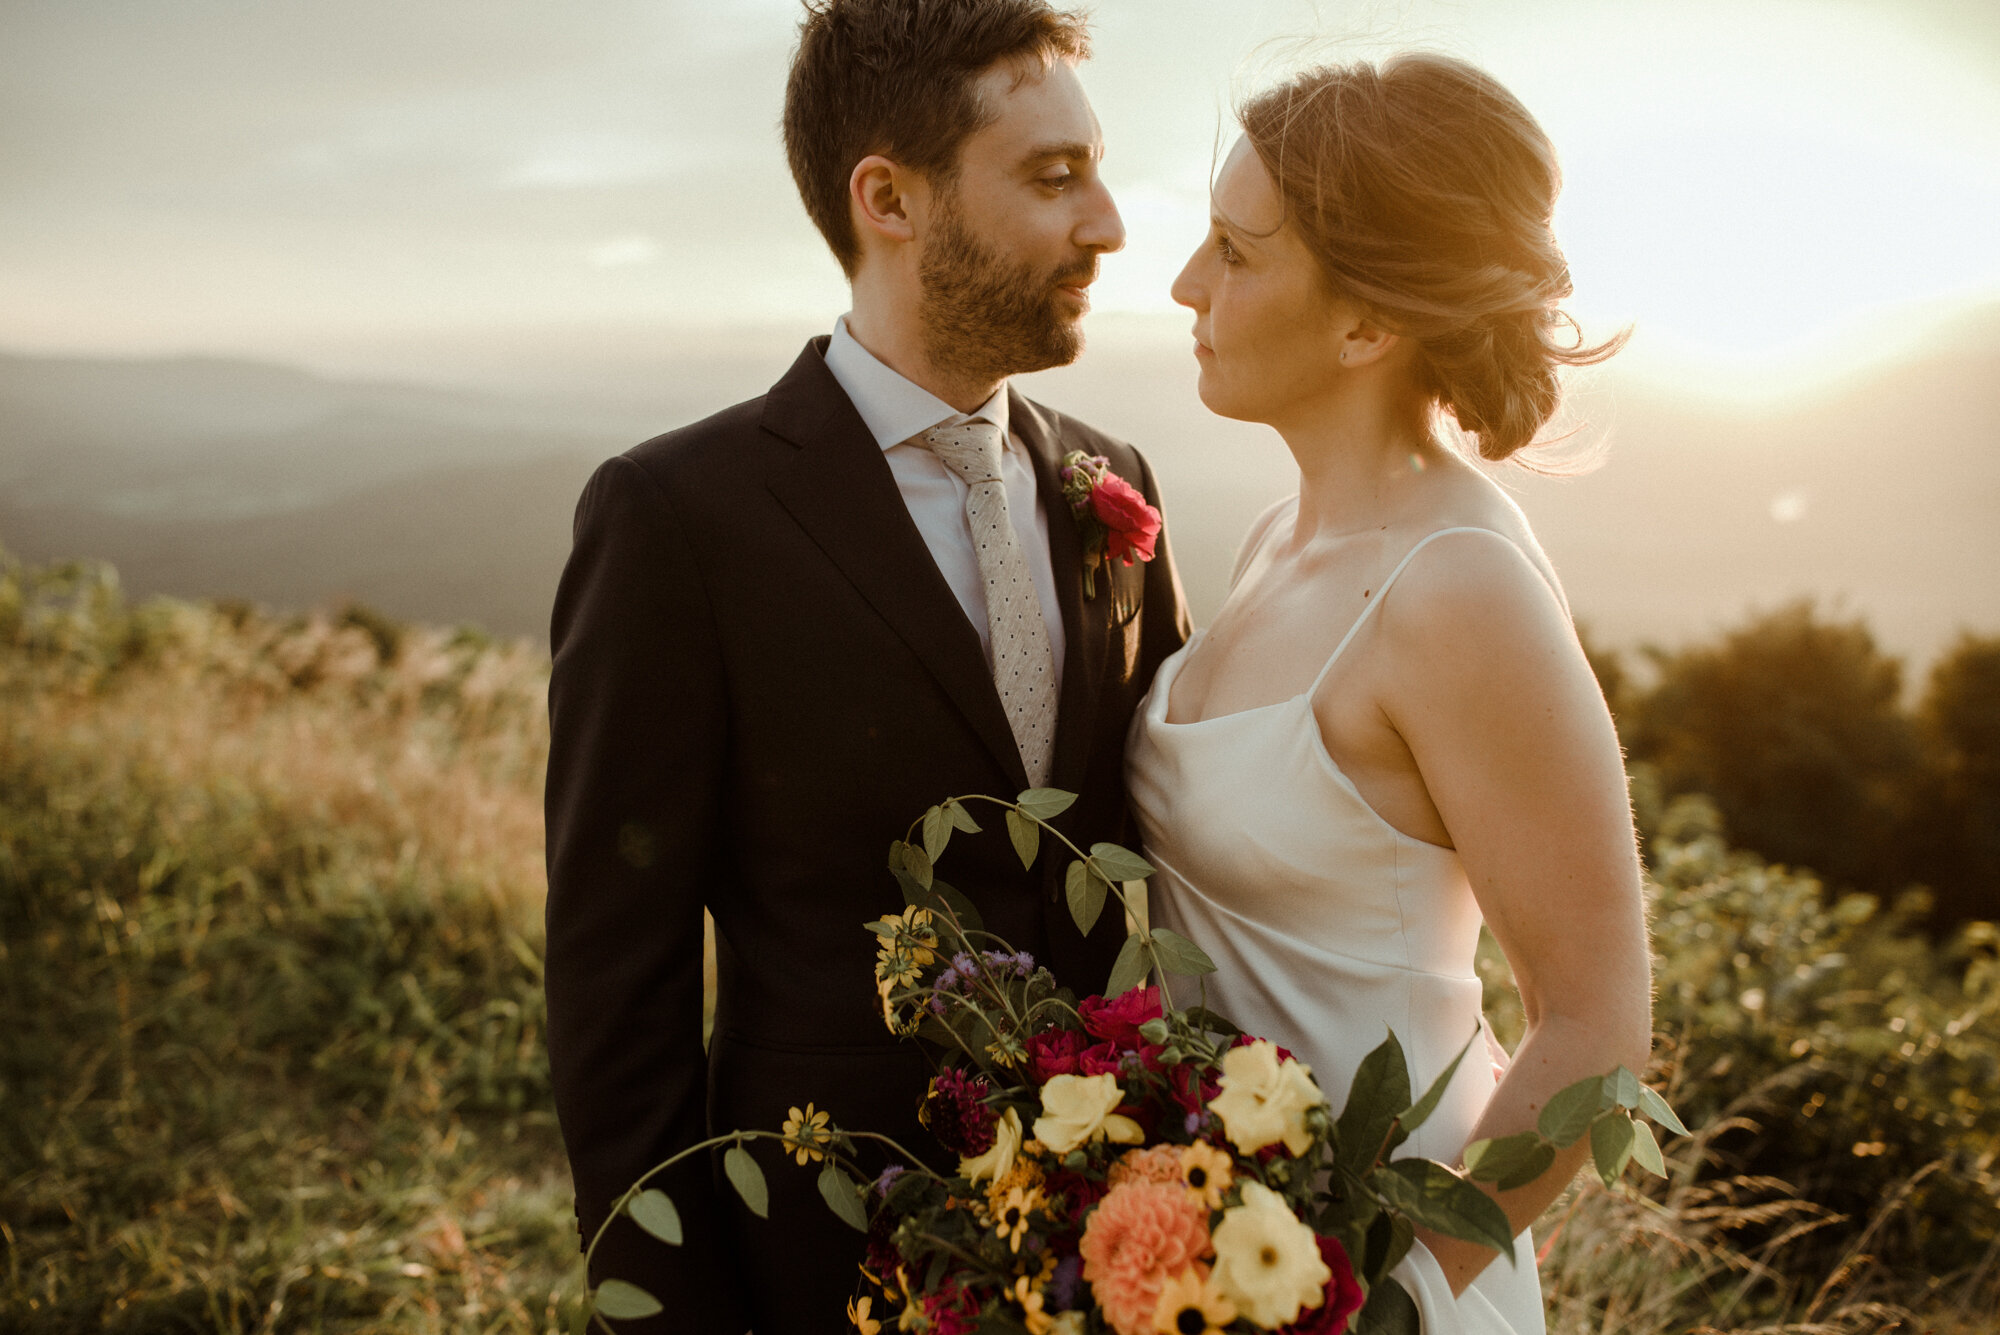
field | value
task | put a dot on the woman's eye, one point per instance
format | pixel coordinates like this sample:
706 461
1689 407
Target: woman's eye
1224 249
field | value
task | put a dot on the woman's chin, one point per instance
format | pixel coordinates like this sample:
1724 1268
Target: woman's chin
1218 400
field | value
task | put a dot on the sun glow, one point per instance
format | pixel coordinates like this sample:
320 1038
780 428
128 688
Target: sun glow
1771 196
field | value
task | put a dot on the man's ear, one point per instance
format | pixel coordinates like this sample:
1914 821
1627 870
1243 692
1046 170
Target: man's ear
879 198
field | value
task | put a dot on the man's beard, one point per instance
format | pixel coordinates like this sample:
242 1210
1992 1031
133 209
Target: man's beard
985 318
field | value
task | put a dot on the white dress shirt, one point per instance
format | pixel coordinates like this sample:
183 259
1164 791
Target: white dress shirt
897 412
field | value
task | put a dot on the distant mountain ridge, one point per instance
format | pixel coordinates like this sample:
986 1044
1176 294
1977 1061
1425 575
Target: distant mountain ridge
211 477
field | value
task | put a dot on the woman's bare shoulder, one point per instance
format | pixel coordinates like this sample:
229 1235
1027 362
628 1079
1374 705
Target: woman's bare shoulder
1469 564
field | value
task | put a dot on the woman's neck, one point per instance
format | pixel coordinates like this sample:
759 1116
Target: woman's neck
1360 458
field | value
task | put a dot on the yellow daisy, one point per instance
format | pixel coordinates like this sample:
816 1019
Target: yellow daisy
1027 1291
1191 1305
1208 1172
1011 1215
805 1131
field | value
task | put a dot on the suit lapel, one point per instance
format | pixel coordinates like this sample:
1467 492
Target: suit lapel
1084 623
840 491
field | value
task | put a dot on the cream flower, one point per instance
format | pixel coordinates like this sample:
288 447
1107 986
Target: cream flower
1077 1109
1267 1261
1070 1323
1264 1100
998 1161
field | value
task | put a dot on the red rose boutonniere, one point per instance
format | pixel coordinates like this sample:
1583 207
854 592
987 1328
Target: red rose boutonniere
1117 523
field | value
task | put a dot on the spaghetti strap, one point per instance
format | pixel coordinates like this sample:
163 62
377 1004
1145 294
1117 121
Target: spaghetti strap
1380 593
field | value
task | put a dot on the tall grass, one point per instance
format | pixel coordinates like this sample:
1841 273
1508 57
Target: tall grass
270 897
271 1056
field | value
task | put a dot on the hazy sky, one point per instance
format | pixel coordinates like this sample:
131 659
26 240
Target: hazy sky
1754 183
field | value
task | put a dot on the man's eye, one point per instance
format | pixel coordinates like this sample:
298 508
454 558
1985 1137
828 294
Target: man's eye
1059 182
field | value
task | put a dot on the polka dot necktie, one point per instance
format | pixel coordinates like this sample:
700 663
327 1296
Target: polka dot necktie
1024 667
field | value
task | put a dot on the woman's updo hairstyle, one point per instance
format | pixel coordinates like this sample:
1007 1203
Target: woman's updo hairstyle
1424 190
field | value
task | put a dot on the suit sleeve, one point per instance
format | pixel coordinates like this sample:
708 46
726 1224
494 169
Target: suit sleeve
637 736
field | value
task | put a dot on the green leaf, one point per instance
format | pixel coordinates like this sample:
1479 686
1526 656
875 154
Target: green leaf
1415 1115
1027 837
1130 969
960 818
624 1302
937 833
1206 1020
1611 1141
1622 1088
1180 955
1381 1089
1389 1239
652 1211
1434 1196
843 1196
1086 895
1646 1150
1390 1311
1657 1108
1044 803
1569 1114
748 1179
911 861
1119 864
1510 1161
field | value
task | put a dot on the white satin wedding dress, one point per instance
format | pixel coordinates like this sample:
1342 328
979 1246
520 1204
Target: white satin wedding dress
1328 928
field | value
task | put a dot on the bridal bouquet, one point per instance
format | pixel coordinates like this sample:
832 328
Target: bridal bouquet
1125 1166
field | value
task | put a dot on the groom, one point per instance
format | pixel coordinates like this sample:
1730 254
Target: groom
785 631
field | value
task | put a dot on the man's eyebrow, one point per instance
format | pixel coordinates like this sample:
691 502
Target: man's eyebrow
1074 150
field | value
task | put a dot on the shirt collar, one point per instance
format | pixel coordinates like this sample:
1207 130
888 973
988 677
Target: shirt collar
894 407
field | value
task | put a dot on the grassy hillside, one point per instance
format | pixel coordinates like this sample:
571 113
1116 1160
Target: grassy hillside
269 955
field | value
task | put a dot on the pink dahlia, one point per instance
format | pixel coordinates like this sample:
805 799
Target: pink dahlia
1140 1235
1162 1163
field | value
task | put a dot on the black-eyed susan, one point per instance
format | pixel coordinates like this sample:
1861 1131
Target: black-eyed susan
805 1132
857 1312
1190 1304
1010 1216
1207 1173
1026 1291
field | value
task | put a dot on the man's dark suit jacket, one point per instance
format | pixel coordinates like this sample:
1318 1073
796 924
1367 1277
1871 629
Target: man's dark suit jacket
760 680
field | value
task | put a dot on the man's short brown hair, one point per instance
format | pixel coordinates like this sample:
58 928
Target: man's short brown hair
895 77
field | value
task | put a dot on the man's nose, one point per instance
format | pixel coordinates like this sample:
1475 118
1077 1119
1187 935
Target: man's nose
1103 230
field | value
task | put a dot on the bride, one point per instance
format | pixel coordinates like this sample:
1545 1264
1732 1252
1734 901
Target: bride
1390 733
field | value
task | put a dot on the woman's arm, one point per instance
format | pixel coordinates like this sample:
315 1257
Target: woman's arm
1500 710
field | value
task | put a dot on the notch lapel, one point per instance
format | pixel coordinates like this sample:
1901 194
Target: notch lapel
1084 622
840 491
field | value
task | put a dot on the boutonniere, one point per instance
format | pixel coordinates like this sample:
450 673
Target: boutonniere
1115 520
